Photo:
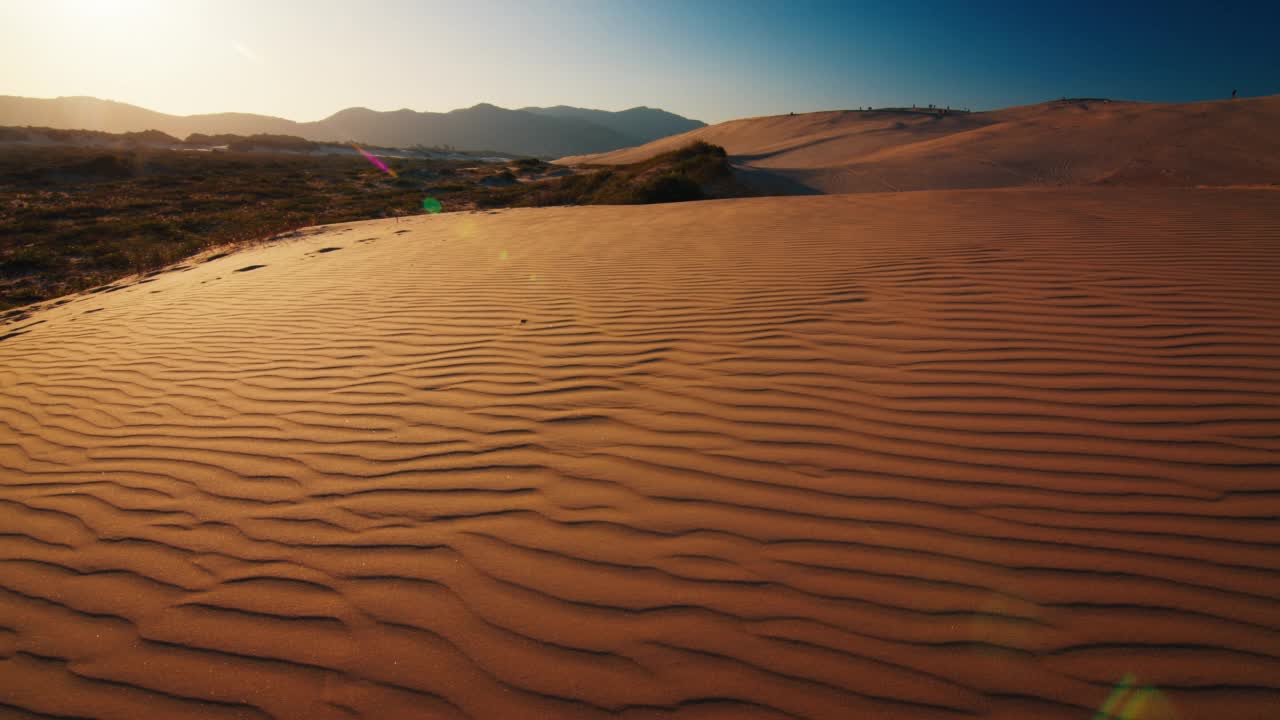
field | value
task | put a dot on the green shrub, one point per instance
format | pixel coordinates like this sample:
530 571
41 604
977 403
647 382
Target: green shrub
28 260
672 187
136 210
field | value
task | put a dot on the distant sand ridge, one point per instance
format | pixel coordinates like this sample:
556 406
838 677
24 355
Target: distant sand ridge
917 455
1077 142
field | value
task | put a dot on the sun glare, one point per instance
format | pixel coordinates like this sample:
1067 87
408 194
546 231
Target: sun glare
138 39
105 9
116 16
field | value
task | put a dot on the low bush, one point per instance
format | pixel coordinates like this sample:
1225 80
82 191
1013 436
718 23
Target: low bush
671 187
27 260
78 217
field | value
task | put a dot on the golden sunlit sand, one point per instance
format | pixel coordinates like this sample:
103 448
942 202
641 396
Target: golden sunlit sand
986 453
1057 143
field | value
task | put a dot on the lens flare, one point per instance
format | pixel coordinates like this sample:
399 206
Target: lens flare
1130 701
1117 697
247 53
375 160
432 205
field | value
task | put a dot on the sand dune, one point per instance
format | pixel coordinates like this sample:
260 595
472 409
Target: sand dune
919 455
1057 143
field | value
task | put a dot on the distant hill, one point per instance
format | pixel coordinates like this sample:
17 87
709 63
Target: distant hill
1064 142
482 127
87 113
644 123
550 132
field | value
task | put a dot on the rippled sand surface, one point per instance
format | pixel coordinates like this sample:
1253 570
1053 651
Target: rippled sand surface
940 454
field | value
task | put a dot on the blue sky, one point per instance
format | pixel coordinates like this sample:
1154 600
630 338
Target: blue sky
701 58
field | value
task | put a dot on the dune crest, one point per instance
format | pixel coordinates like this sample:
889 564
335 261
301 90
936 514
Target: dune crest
919 455
1075 142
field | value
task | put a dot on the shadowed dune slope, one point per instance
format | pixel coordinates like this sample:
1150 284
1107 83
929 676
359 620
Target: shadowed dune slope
1056 143
920 455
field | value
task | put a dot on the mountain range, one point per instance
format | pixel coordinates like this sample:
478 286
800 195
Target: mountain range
547 132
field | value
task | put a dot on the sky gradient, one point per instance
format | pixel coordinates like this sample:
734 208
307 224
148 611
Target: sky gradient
704 59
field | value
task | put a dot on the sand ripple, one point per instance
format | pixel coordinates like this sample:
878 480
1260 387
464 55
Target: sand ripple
905 456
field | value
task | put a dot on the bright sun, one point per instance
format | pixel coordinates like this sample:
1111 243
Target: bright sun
114 20
98 9
113 15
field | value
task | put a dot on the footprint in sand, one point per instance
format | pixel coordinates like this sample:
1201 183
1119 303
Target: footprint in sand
247 268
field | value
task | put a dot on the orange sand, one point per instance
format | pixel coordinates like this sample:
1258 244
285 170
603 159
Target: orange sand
937 454
1232 142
